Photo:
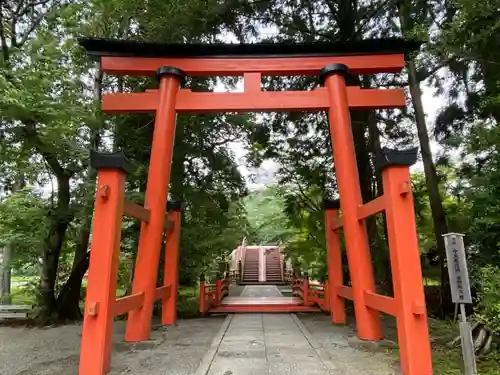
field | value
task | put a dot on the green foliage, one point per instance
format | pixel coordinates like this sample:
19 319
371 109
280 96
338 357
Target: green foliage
187 302
21 225
293 218
265 212
449 361
488 296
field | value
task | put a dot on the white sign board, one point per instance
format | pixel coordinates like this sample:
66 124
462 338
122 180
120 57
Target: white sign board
457 268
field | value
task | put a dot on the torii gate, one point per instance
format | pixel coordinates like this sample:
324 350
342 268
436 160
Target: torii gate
331 63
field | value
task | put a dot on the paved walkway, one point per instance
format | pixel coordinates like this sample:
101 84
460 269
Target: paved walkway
261 291
260 295
258 344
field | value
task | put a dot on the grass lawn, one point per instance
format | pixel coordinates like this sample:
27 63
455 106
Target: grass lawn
187 301
24 294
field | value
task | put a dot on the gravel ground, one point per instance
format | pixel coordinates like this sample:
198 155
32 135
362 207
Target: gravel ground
55 351
349 354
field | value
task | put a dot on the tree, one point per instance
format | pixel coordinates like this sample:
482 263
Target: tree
416 18
265 212
56 121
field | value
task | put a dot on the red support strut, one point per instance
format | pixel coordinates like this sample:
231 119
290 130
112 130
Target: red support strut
95 352
358 251
413 333
148 255
334 259
171 269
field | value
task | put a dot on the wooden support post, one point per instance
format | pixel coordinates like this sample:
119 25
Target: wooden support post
326 296
171 268
202 307
305 288
413 334
334 259
95 353
218 290
358 251
148 255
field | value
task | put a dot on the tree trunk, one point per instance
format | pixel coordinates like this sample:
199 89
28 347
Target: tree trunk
491 78
380 256
5 275
52 249
68 302
384 271
431 178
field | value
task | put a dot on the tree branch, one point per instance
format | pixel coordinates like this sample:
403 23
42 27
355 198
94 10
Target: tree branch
37 143
36 21
375 12
422 75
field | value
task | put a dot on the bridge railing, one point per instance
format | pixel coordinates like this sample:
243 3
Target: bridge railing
211 295
318 295
313 294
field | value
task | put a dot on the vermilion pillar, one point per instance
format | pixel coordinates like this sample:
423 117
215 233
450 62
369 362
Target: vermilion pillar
171 270
334 259
95 354
358 251
413 334
148 255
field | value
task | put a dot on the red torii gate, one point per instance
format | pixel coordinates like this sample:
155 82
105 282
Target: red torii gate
171 63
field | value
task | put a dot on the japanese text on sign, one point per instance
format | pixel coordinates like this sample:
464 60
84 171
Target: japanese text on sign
457 268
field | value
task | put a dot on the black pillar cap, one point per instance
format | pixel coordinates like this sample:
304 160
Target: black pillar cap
331 204
388 157
170 71
306 275
202 277
110 160
333 69
174 206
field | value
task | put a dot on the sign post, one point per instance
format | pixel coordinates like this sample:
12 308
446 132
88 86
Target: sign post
460 293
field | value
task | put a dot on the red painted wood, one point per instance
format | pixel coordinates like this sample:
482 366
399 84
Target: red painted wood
381 303
345 292
263 101
162 293
279 66
124 304
372 208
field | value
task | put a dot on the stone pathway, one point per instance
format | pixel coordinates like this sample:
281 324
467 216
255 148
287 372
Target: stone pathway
272 344
261 291
257 344
175 350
